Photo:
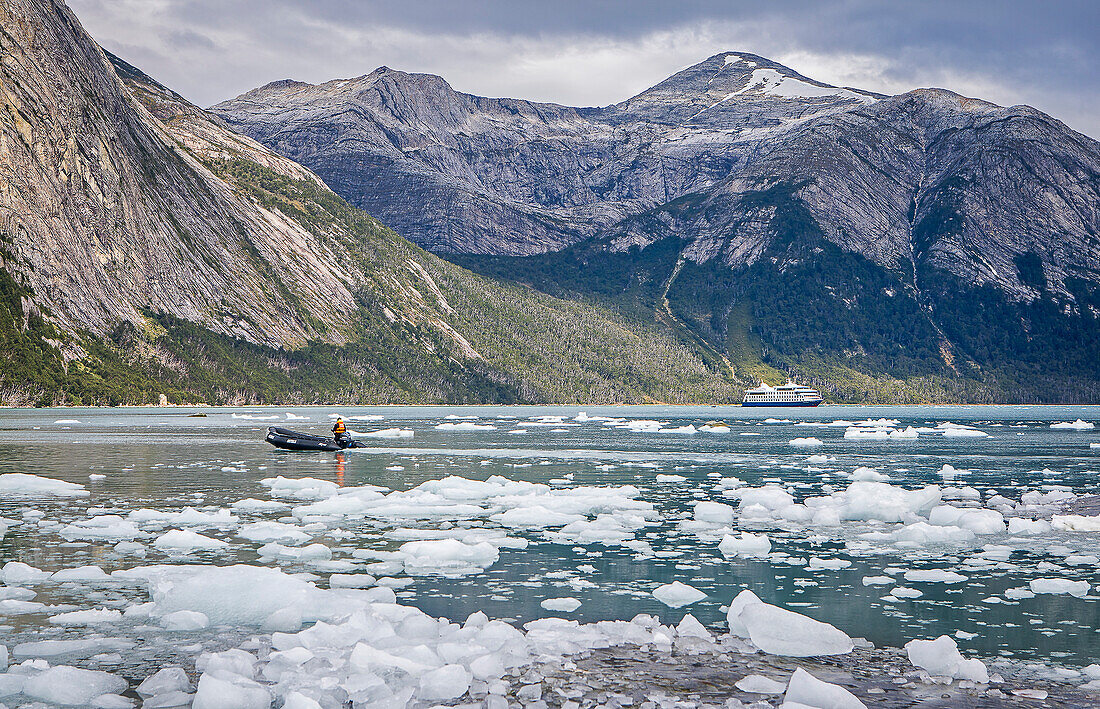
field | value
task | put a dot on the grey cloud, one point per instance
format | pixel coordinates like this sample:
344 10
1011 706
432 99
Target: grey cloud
585 52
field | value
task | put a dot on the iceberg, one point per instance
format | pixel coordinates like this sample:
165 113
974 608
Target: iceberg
941 659
677 594
804 691
184 541
778 631
748 544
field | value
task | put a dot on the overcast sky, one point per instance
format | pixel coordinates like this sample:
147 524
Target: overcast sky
597 52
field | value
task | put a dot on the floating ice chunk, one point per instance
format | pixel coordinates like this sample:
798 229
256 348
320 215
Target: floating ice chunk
230 595
89 617
961 493
80 574
297 700
748 544
447 557
97 476
714 428
1078 589
769 498
272 532
102 527
950 472
66 421
183 541
941 659
466 426
535 516
253 505
1015 594
127 548
688 430
1077 425
185 620
713 513
663 478
447 682
189 517
12 606
69 648
775 420
351 580
165 680
230 692
816 563
909 433
804 691
934 576
70 686
313 552
759 684
979 521
300 488
16 593
903 592
924 533
1075 523
778 631
964 433
690 627
804 443
877 580
566 605
389 433
866 500
859 433
677 594
230 662
865 473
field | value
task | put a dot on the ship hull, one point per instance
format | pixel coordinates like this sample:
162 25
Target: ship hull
780 404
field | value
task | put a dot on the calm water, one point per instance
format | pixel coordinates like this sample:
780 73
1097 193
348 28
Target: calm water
166 460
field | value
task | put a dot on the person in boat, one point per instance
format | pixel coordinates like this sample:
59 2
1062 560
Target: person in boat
340 433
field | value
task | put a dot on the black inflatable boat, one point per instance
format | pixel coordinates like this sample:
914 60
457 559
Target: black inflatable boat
297 441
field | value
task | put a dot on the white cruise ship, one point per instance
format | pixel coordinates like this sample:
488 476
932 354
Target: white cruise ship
789 394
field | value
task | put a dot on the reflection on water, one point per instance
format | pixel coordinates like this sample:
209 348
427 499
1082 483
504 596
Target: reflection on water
167 460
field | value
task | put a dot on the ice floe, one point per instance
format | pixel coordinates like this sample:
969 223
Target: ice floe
1077 425
25 485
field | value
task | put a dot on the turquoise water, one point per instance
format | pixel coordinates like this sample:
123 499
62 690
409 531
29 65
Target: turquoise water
166 460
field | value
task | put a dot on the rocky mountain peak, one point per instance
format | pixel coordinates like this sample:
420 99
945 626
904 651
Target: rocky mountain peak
730 87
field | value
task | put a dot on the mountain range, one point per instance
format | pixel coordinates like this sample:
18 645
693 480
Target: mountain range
928 239
736 222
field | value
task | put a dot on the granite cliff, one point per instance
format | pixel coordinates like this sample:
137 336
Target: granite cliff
146 248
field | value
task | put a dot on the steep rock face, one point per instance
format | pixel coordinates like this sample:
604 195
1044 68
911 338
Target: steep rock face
147 249
105 216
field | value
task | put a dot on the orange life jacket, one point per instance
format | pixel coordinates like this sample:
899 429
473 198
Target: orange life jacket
339 426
